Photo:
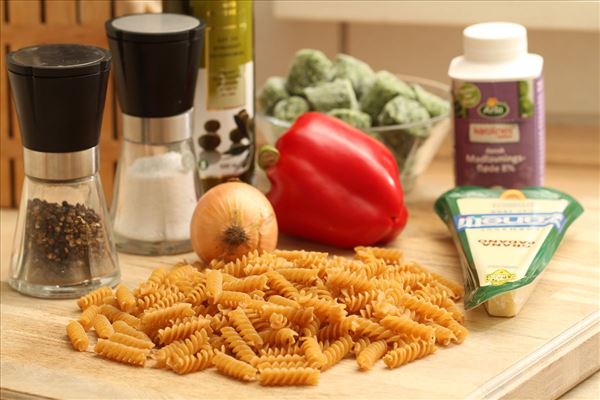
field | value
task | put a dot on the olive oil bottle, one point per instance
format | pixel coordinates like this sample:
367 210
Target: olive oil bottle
224 101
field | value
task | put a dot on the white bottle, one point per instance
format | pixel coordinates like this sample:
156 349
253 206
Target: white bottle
499 122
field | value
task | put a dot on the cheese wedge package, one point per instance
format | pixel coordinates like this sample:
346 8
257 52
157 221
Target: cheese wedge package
505 239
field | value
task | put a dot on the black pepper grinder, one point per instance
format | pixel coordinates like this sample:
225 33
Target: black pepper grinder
63 244
156 60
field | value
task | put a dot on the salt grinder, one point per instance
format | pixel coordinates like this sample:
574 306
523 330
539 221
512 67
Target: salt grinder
156 60
63 244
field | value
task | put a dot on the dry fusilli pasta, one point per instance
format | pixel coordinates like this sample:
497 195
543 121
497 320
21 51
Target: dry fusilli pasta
191 363
103 327
86 319
279 317
95 297
371 354
408 352
289 376
77 336
121 353
235 368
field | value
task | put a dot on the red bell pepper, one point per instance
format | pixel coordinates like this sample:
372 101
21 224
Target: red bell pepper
334 184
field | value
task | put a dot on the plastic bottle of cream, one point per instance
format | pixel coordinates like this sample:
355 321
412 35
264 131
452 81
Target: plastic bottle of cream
498 93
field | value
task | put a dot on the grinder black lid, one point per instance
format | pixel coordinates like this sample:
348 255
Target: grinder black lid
59 92
156 61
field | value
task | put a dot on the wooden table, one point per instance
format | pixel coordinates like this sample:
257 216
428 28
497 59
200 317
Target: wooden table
553 344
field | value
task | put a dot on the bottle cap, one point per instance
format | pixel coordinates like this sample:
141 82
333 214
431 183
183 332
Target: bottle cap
494 42
59 92
156 61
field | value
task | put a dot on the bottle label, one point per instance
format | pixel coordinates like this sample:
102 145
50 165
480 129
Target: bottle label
499 133
224 98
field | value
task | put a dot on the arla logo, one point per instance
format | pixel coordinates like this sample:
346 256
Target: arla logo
493 108
500 277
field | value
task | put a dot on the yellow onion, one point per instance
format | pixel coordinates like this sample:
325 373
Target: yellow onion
231 220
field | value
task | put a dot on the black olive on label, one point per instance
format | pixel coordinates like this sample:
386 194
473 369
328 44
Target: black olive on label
236 135
209 141
212 125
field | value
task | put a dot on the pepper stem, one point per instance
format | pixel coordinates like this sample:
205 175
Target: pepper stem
268 156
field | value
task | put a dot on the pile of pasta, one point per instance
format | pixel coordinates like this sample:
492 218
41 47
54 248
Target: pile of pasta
281 318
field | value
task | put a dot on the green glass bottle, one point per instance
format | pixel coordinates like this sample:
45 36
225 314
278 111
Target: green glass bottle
224 99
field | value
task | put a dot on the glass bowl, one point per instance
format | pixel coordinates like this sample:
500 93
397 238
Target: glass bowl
413 152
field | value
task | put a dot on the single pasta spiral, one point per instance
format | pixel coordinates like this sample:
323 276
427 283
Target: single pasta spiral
344 279
114 314
161 299
190 345
235 368
233 299
283 301
77 335
289 376
300 275
280 351
313 352
239 347
94 297
126 299
121 353
371 354
354 303
87 316
337 329
408 352
360 345
157 319
191 363
214 284
103 327
249 284
182 330
280 284
122 327
197 296
242 324
406 326
337 351
130 341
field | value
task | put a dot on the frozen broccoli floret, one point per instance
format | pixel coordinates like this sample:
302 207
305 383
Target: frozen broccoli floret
356 71
329 95
309 68
273 91
357 119
401 110
383 87
291 108
434 105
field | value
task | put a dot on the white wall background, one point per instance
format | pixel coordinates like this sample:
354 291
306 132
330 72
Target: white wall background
572 56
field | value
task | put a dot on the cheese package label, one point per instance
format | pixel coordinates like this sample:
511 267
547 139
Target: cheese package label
505 239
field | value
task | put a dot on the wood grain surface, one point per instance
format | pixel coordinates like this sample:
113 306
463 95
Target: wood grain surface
548 348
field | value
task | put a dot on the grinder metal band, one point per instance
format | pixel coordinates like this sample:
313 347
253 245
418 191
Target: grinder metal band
158 130
60 166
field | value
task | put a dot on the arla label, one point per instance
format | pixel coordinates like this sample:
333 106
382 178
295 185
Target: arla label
499 132
504 235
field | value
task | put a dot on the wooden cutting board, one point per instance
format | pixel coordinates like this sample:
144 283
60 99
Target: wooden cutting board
553 344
